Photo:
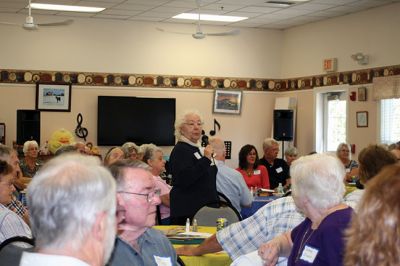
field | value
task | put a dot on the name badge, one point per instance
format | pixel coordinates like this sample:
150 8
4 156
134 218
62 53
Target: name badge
163 261
197 155
309 254
256 172
279 170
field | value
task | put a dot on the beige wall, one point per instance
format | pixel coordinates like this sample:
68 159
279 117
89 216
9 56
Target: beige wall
373 32
135 47
251 126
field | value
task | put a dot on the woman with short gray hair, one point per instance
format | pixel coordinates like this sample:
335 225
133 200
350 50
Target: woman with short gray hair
30 164
193 174
317 190
153 156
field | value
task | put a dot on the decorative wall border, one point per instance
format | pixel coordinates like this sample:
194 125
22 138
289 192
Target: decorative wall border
355 77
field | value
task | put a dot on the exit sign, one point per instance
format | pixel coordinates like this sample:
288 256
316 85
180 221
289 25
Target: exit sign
330 64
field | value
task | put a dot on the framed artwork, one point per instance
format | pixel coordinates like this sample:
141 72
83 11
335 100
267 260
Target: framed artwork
362 119
54 97
362 94
2 133
227 102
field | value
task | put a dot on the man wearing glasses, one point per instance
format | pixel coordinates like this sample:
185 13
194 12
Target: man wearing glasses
137 198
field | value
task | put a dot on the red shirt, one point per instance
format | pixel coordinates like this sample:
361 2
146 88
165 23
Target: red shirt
258 178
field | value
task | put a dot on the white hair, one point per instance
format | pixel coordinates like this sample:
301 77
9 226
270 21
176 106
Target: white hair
181 119
269 142
292 151
340 146
65 197
29 143
320 178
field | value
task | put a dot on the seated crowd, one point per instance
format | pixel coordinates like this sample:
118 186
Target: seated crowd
86 212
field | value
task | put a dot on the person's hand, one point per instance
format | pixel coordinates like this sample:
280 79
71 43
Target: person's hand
208 151
186 251
269 253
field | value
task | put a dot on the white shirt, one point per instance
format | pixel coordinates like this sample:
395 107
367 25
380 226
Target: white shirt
38 259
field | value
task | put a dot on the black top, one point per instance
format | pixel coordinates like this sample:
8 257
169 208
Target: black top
278 172
193 180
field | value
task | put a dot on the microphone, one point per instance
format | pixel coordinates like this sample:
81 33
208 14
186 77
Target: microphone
204 140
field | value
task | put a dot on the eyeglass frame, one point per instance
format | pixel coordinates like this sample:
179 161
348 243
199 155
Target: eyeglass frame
157 192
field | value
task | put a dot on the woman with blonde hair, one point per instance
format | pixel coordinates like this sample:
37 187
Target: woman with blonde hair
374 236
343 153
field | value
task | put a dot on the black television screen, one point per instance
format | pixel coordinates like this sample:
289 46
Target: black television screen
140 120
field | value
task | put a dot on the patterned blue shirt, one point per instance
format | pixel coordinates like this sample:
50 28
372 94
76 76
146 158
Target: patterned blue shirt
271 220
155 249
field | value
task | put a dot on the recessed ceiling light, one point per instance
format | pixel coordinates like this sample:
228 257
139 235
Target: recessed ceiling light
66 8
208 17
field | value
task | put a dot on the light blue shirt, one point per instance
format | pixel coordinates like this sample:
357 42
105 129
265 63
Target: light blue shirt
231 183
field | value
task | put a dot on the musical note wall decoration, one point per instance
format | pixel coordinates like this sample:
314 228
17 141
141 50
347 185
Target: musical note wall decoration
80 131
216 124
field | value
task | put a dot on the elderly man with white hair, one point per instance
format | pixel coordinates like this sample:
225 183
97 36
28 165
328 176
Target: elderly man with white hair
72 203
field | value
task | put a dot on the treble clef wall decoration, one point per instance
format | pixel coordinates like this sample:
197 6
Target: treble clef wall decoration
80 131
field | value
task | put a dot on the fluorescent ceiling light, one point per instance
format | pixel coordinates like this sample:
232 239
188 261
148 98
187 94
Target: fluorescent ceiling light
66 8
208 17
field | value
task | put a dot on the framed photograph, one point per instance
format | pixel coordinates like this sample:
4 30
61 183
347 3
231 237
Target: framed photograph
2 133
362 94
227 102
54 97
362 119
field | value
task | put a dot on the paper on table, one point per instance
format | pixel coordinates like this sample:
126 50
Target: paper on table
266 190
194 234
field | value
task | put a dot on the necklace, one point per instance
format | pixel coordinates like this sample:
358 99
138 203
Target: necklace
249 172
303 242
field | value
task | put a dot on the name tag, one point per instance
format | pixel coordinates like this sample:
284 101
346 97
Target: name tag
163 261
279 170
256 172
309 254
197 155
347 170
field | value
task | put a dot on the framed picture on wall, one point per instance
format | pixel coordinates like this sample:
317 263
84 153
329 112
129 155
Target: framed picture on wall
54 97
362 119
227 102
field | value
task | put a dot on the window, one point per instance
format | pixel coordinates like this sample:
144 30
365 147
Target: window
389 120
330 117
335 120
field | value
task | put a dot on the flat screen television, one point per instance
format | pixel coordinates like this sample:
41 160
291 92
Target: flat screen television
140 120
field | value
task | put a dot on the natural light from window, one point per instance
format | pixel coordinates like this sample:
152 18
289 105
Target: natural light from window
390 121
335 124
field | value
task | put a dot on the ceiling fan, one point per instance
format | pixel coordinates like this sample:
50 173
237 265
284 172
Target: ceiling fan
30 25
199 34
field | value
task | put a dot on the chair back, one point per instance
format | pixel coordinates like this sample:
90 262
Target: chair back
207 216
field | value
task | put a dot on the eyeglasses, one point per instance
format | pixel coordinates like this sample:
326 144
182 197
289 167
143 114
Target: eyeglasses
149 196
192 123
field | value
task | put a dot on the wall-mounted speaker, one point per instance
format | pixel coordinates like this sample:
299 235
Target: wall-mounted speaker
283 125
28 126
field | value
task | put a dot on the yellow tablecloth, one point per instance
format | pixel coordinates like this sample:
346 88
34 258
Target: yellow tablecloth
214 259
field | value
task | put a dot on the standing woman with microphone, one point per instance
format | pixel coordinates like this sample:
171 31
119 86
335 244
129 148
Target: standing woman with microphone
193 172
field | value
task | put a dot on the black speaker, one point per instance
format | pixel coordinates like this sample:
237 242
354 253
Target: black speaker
28 126
283 125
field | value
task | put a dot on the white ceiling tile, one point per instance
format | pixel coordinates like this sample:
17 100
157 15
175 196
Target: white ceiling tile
258 9
106 16
313 6
243 14
137 7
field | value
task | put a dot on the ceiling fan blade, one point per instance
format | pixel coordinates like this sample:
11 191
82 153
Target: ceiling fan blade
9 23
60 23
175 32
226 33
